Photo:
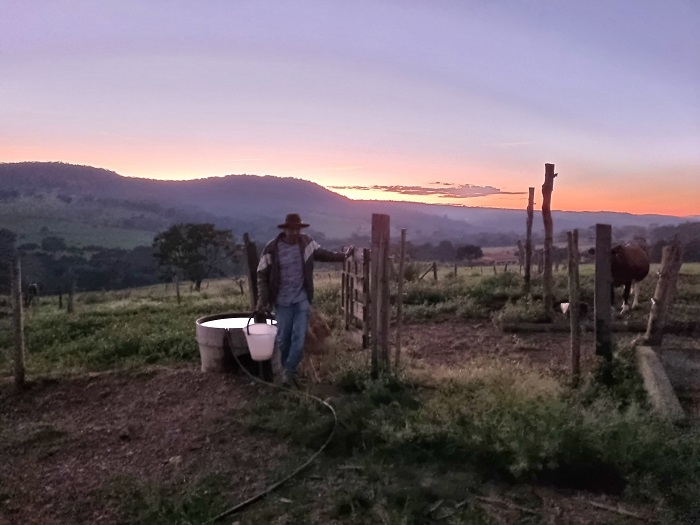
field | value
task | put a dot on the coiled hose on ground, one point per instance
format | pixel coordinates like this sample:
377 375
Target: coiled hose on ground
276 485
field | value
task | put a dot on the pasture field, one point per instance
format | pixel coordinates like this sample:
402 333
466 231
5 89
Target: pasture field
75 232
479 426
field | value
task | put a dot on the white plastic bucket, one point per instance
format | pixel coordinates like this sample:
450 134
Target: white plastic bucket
261 340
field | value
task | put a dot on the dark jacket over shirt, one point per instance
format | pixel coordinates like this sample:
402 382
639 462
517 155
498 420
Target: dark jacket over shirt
269 267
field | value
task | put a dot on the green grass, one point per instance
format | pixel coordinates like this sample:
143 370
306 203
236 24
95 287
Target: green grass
75 232
184 503
501 425
112 330
502 297
37 440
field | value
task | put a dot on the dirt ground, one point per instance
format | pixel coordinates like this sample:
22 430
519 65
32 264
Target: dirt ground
61 440
74 434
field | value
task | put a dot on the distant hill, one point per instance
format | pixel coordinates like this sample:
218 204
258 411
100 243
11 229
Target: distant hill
87 205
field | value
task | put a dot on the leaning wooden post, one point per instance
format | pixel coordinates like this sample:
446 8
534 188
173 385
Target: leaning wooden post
671 262
603 287
399 298
528 238
17 320
574 309
547 284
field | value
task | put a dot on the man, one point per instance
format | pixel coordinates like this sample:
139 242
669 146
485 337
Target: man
285 282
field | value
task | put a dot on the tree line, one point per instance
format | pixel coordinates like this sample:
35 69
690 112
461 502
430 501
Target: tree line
194 252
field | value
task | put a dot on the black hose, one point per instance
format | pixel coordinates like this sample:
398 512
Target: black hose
274 486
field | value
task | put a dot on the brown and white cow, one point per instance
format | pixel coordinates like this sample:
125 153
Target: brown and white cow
629 265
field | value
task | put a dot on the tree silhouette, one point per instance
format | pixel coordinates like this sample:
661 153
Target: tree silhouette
198 250
470 252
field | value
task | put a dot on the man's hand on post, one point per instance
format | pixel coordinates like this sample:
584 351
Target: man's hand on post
349 251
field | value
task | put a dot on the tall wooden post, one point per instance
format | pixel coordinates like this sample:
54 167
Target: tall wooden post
435 270
603 283
17 320
547 188
380 293
252 261
528 238
574 302
671 261
399 298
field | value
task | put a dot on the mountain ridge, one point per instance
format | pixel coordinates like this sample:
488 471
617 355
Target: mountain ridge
257 203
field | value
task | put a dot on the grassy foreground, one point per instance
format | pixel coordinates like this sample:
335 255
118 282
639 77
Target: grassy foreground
419 446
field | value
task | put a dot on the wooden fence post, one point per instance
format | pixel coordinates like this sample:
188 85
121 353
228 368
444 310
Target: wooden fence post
521 256
399 298
367 298
71 291
603 283
380 293
177 287
574 305
671 262
528 238
435 270
547 284
251 253
17 320
345 291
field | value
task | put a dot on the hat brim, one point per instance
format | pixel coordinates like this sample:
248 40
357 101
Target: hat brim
299 225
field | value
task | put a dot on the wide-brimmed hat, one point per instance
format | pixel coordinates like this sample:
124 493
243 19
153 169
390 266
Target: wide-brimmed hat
293 220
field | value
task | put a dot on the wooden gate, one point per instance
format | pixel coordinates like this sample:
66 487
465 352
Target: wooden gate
355 296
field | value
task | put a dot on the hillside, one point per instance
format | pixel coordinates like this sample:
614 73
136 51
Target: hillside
87 205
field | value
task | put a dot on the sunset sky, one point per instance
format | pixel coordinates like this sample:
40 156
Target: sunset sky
445 101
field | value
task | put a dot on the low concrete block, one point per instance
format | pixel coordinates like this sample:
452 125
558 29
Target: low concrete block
658 385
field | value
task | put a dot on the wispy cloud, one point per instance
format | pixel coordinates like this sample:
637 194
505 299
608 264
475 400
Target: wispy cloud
510 144
446 190
335 168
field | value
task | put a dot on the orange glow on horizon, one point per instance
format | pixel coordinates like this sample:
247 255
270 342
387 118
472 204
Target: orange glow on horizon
573 191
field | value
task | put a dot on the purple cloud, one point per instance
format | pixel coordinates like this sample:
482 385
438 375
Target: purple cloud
445 190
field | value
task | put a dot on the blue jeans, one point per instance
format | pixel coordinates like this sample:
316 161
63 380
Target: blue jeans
292 323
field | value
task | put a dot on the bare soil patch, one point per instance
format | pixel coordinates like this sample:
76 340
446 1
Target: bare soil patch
456 343
63 439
